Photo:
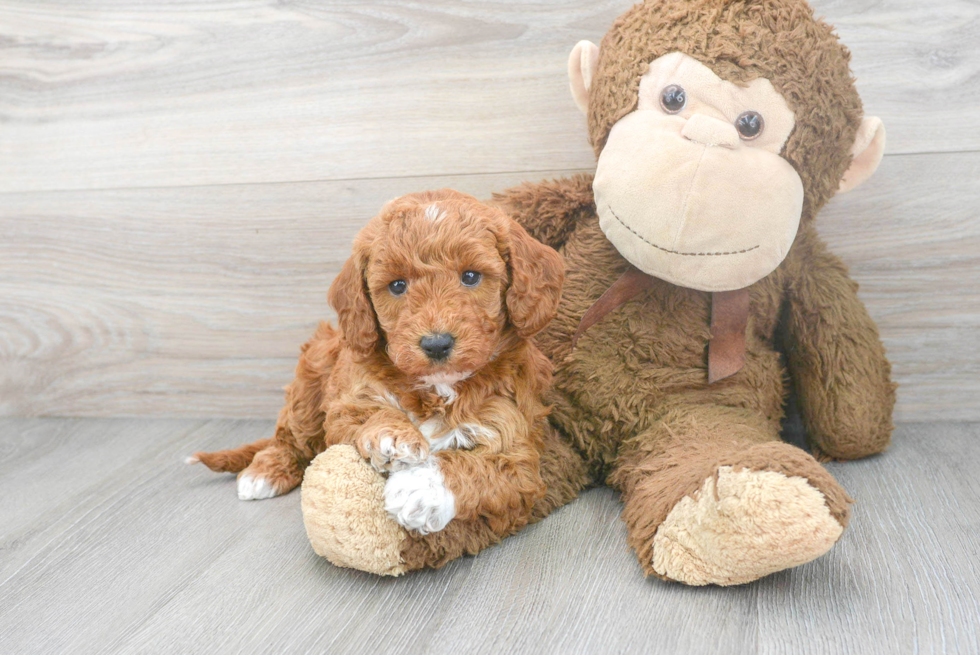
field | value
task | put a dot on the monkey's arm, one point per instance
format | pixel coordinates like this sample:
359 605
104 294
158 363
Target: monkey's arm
548 210
836 358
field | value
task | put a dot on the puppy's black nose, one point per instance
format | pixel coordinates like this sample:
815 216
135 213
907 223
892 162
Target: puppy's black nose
437 346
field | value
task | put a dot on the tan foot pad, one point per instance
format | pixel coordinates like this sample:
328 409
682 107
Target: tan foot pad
757 523
343 510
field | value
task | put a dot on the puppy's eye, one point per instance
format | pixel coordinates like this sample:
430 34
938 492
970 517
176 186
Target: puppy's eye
749 125
398 287
673 99
471 278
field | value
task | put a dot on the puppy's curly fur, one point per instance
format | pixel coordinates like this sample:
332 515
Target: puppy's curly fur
476 416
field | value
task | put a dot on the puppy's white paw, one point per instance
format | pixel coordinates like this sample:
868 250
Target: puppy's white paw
417 498
250 488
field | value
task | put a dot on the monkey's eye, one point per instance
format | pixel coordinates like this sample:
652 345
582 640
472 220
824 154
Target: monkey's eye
749 125
397 287
673 99
470 278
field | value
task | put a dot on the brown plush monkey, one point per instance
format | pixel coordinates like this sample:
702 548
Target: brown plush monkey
721 128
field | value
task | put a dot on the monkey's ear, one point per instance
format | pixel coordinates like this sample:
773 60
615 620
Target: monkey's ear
868 149
581 68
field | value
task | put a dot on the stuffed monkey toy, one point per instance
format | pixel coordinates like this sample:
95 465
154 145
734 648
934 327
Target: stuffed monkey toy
721 128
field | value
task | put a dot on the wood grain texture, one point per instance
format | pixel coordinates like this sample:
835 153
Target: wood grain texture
163 250
911 237
194 301
111 544
905 576
132 94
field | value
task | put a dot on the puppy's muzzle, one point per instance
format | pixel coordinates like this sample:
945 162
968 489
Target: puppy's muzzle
437 347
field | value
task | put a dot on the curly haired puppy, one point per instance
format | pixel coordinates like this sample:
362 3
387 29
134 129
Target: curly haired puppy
431 375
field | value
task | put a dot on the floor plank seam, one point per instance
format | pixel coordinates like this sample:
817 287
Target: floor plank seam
421 176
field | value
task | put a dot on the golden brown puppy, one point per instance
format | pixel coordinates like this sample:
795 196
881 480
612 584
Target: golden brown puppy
431 375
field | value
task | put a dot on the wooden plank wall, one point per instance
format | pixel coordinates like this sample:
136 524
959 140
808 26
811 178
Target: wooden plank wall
180 181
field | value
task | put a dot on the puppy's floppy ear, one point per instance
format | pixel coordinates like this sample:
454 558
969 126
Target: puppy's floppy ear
349 296
536 276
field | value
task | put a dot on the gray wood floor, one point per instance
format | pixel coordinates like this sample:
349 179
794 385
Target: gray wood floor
109 543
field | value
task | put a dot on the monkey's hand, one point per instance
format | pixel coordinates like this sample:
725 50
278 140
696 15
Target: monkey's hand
836 357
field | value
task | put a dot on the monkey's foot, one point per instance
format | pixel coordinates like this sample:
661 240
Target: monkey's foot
344 512
742 525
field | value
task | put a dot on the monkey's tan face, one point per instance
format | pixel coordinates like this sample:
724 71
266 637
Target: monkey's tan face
691 187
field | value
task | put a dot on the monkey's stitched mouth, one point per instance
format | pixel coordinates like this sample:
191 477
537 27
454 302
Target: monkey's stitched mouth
677 252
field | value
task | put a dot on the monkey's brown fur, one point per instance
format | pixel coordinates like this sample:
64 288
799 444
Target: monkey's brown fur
633 396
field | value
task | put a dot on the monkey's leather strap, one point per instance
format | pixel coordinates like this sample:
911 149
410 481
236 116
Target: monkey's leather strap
729 317
629 285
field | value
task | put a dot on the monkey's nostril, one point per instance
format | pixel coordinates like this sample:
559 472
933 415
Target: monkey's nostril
437 346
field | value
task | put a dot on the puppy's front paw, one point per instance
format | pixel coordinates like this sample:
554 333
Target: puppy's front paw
418 499
394 448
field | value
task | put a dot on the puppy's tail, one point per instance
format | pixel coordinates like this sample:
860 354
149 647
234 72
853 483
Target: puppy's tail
230 461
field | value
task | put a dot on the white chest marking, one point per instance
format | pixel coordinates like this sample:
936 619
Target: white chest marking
444 384
464 435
